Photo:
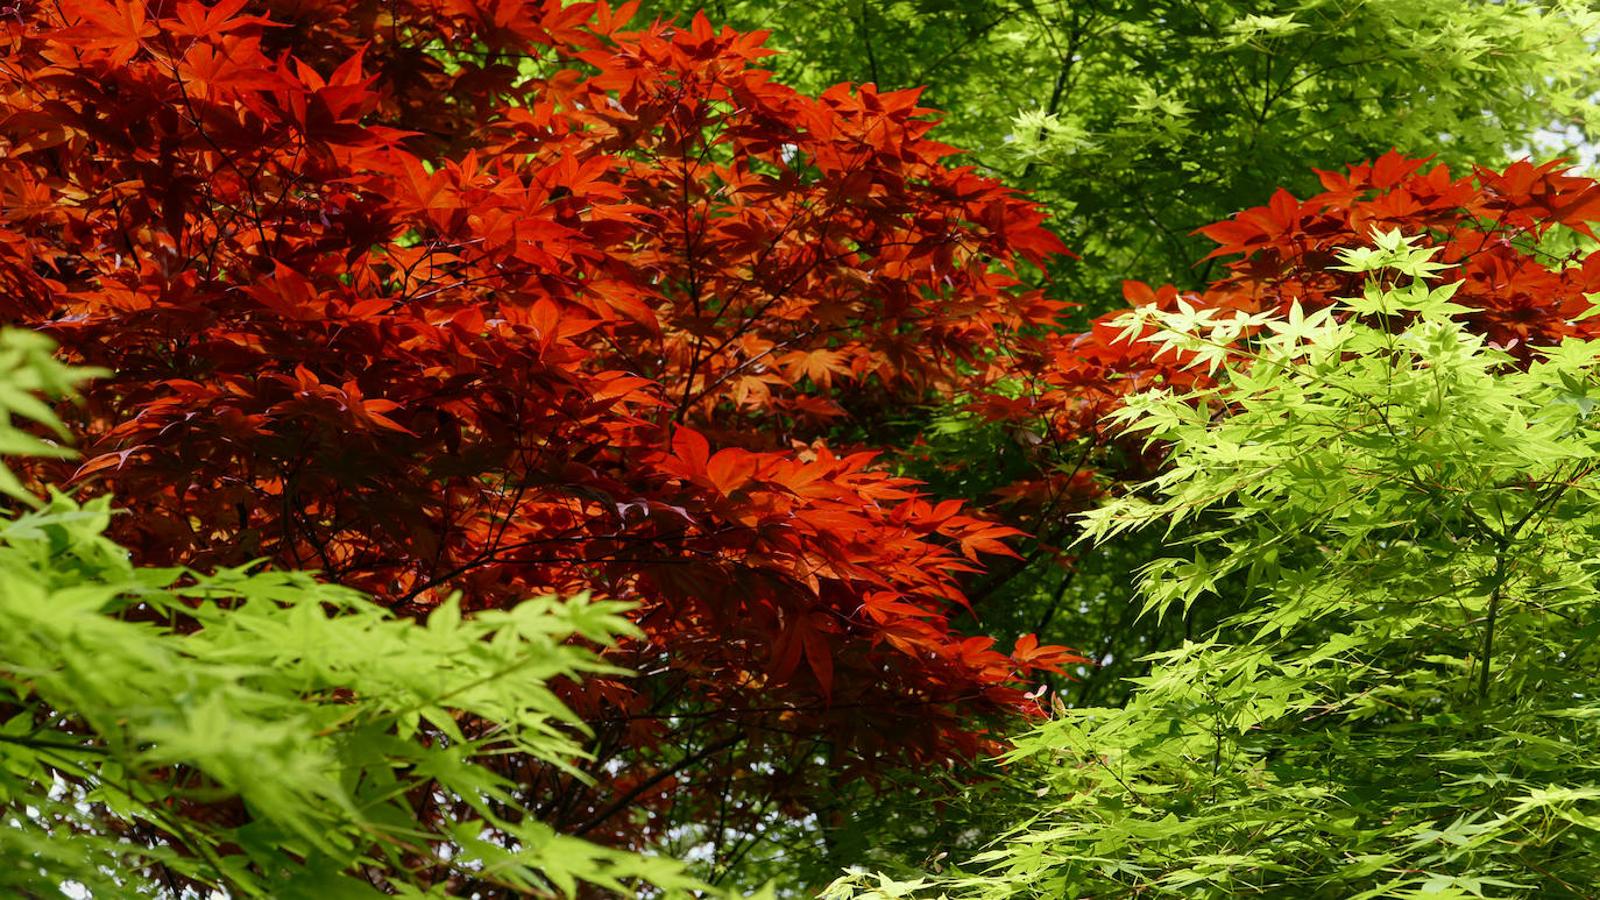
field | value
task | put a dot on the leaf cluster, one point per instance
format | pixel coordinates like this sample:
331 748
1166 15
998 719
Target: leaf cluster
266 734
1404 524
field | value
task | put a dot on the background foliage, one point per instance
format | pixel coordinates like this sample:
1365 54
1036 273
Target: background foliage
1138 121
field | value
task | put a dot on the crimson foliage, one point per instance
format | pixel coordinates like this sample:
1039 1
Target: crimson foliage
1518 240
500 297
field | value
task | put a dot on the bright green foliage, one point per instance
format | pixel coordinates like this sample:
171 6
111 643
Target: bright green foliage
26 371
1137 121
1406 527
262 733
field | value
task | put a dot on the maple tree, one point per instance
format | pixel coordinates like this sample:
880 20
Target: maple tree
1399 520
505 298
1475 301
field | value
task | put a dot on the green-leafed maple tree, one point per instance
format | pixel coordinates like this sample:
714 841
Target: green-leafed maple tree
1396 523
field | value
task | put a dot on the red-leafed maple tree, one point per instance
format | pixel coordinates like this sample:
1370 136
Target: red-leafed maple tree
499 297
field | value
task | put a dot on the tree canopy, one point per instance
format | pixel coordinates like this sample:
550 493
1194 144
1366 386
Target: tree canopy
831 361
435 304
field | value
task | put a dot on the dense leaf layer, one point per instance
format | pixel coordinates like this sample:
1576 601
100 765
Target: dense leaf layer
494 297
